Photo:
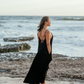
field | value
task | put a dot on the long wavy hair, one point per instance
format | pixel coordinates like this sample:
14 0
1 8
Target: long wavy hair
42 23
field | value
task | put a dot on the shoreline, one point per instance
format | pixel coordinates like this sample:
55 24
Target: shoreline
17 64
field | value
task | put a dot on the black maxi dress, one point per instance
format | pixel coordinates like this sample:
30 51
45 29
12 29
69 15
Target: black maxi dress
40 65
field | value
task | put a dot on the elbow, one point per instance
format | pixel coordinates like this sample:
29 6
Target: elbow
48 44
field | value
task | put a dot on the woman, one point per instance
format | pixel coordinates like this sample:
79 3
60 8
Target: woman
40 64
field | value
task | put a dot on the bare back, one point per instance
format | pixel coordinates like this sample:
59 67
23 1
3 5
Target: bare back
42 34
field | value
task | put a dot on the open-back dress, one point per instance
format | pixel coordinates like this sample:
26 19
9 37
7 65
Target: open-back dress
40 65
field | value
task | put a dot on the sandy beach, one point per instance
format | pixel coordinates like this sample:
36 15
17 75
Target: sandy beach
62 69
8 80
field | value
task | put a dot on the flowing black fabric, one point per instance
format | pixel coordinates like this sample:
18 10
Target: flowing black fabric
40 65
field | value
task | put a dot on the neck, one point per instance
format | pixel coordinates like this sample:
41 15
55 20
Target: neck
45 27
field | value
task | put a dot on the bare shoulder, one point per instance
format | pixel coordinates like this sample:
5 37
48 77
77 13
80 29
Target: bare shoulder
38 32
47 32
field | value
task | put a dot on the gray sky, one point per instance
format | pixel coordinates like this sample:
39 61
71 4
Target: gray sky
42 7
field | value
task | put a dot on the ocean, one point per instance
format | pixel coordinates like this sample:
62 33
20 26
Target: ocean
68 32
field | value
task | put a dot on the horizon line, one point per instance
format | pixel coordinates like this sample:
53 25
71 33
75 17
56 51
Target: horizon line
40 15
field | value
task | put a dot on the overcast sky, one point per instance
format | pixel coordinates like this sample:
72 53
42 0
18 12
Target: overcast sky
42 7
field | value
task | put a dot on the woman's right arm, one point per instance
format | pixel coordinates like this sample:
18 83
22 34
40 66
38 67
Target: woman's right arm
48 41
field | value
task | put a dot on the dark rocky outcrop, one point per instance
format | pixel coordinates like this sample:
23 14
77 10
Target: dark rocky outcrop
14 47
17 39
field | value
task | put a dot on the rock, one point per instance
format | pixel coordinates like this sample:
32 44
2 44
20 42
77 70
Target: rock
4 70
14 47
17 39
